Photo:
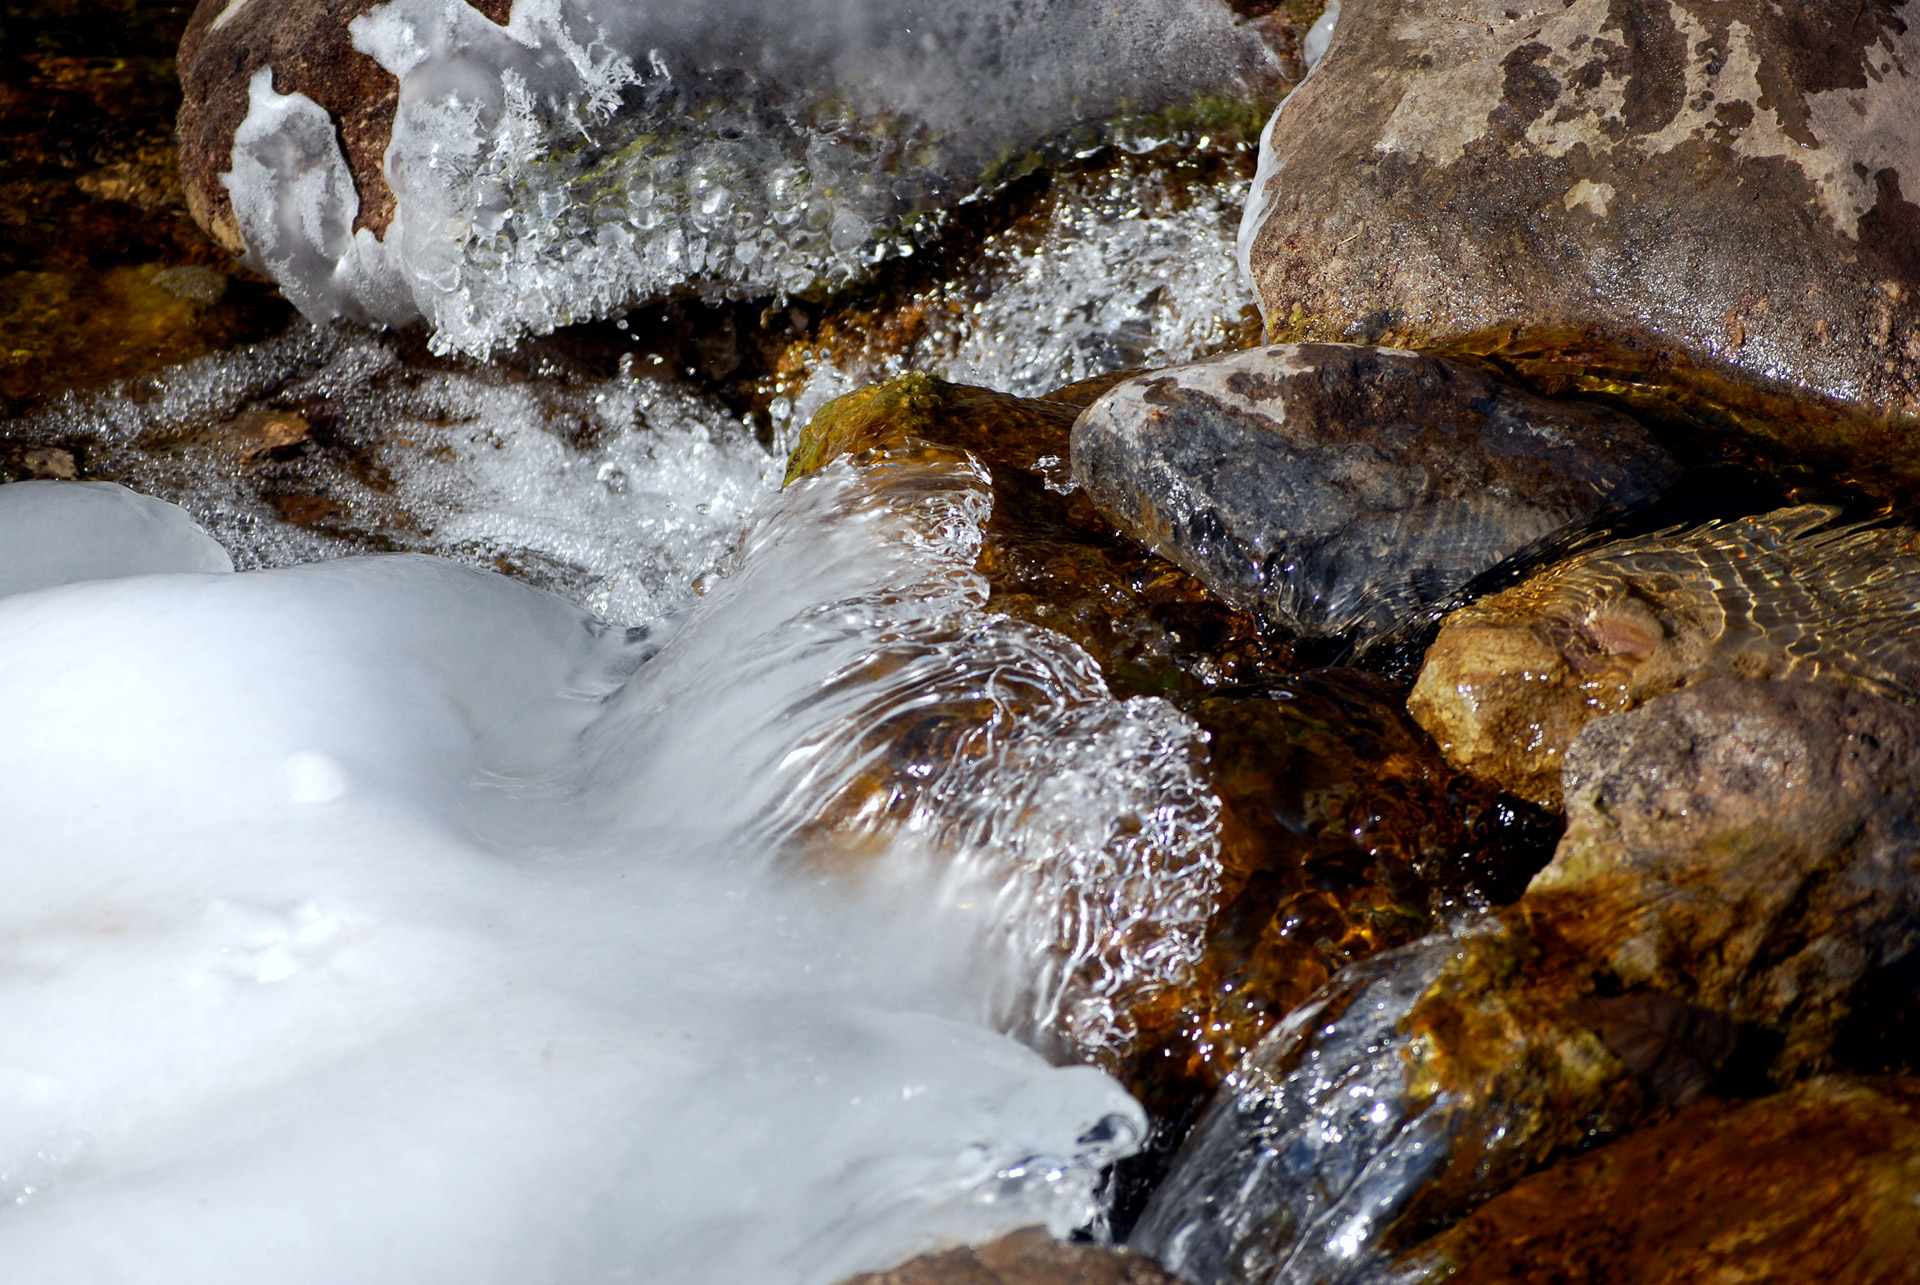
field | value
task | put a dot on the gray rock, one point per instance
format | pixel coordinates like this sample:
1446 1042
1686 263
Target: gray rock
1713 200
1338 487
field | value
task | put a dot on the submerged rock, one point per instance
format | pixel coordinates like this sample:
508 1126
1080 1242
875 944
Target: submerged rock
1809 1187
1711 202
1738 855
419 158
1512 678
1338 487
1028 1257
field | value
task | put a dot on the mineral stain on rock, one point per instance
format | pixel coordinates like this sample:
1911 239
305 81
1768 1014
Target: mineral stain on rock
1337 488
1512 678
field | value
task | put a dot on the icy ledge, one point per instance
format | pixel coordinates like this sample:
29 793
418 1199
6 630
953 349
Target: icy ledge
588 156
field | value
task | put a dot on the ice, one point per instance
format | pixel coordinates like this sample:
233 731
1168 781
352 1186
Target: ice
1308 1150
618 492
386 919
1126 265
589 156
95 531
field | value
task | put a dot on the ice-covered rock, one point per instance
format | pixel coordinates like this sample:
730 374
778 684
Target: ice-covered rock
506 173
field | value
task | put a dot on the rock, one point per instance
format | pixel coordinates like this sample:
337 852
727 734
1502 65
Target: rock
418 159
1337 487
1809 1187
1512 678
1750 846
1709 203
1026 1257
1738 855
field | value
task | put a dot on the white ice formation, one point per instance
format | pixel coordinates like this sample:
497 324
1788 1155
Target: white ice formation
592 154
96 531
616 492
386 920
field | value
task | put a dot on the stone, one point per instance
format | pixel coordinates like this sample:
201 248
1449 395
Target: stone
1739 855
1026 1257
1337 488
1707 204
502 173
1511 678
1807 1187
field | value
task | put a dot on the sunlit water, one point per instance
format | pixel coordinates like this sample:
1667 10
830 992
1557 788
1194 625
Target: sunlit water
388 920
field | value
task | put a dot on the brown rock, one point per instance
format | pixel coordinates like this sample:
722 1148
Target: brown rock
1812 1186
1512 678
1713 201
311 53
1026 1257
1338 487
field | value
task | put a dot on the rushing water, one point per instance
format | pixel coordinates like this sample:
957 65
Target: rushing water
383 919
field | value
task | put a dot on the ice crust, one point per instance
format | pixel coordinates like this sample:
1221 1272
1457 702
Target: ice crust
617 492
389 920
96 531
591 155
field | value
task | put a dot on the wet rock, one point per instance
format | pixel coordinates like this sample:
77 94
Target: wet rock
1512 678
417 159
1581 192
103 274
1340 487
1051 558
1343 833
1811 1186
1738 856
1027 1257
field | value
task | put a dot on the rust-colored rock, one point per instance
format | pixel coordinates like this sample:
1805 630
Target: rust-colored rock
1512 678
1026 1257
310 51
1708 201
1814 1186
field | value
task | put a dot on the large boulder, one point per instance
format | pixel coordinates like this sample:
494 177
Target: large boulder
1337 487
1512 678
501 170
1709 199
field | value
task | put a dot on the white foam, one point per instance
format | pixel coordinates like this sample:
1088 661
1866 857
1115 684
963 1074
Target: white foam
376 921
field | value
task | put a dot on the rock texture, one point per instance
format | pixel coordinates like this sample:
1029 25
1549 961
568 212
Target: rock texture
1026 1257
1337 487
1811 1187
1738 856
1512 678
1717 200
